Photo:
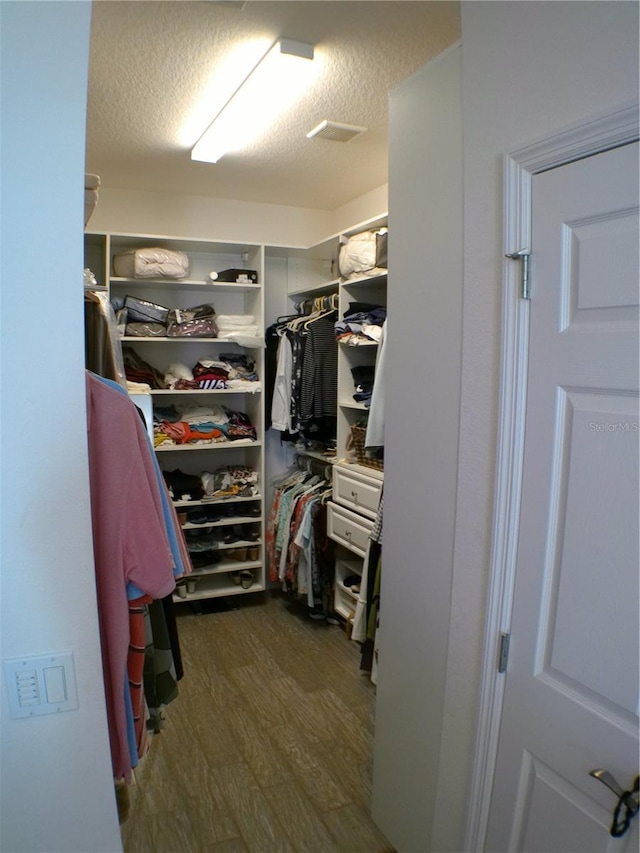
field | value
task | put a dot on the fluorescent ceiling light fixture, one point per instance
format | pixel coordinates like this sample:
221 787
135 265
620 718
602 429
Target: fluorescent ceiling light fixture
278 79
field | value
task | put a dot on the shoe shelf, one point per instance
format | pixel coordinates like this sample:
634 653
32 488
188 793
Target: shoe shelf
226 566
225 522
217 583
344 598
229 546
221 501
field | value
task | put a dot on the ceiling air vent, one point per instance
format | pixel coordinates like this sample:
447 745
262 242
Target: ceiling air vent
335 131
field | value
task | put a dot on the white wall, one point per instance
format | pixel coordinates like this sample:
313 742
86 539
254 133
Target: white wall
141 212
528 68
421 444
57 788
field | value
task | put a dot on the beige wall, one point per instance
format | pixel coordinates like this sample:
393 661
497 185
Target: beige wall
139 212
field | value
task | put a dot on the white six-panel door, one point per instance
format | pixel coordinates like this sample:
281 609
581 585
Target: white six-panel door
571 694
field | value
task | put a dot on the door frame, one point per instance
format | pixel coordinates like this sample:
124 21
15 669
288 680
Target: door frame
591 136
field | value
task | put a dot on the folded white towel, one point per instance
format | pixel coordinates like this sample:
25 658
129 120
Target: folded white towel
234 321
245 337
240 330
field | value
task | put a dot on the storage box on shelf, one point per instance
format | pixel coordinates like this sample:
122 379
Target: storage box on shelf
222 576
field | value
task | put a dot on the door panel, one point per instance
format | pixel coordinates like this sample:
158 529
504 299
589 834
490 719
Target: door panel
571 691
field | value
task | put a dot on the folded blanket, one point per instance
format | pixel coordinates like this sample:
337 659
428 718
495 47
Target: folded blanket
153 262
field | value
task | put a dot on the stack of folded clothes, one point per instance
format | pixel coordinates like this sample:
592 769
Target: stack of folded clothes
363 382
215 373
200 425
138 370
361 323
240 328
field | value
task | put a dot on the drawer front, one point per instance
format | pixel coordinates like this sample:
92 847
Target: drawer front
348 529
356 491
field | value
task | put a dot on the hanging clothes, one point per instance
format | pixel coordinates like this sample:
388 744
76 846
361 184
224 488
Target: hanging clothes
300 554
130 541
303 405
375 425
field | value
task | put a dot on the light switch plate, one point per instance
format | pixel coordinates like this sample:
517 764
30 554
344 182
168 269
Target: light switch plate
43 684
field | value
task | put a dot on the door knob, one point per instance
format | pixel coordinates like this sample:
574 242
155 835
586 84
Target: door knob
627 805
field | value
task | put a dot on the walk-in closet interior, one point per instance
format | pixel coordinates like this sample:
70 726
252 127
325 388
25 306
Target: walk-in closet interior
246 359
259 533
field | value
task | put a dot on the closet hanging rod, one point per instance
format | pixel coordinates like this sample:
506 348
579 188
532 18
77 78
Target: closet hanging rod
320 303
314 466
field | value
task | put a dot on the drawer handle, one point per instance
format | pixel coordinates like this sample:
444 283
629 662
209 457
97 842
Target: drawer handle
347 533
354 495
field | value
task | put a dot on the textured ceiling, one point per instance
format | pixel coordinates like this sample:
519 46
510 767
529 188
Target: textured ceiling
153 64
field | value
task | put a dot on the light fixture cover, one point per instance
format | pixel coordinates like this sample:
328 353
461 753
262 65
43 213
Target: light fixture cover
277 79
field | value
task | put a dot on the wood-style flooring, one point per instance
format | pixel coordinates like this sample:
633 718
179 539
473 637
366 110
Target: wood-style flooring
268 746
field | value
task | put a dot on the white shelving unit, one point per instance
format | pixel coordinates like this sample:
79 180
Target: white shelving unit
315 272
357 488
227 298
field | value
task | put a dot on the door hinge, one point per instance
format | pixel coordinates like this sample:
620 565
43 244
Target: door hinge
523 255
503 656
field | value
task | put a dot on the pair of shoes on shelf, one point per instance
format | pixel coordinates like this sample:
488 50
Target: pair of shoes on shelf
243 578
197 516
251 511
201 559
239 554
231 535
352 582
243 553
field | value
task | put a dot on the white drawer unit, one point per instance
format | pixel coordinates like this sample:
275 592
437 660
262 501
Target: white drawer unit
357 491
348 529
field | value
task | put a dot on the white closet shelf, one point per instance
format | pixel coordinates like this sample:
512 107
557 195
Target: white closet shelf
227 566
312 454
379 278
160 392
157 339
228 546
225 589
225 286
226 522
347 590
217 502
220 445
323 287
353 404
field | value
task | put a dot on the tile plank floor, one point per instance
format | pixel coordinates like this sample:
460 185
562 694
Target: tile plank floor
268 746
